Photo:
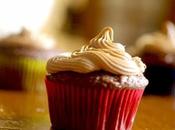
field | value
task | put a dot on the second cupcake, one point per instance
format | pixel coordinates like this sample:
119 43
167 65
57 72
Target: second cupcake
23 59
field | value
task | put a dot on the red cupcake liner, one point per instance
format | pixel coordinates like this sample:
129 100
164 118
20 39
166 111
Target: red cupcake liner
76 107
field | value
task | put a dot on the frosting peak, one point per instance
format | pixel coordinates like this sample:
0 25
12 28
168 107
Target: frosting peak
170 30
100 54
104 40
105 34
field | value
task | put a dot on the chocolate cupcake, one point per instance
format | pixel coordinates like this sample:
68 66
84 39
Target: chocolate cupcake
158 52
23 59
98 87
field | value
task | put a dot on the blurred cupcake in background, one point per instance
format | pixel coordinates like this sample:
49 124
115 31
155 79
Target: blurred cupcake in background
157 50
23 58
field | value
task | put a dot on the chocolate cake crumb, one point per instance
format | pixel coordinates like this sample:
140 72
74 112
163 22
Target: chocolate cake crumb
99 78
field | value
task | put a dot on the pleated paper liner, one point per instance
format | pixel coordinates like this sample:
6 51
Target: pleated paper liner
33 74
91 108
22 73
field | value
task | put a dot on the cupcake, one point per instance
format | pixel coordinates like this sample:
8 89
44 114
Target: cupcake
98 87
23 59
157 50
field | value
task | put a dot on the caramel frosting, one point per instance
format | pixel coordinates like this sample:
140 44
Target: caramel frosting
100 54
25 38
159 42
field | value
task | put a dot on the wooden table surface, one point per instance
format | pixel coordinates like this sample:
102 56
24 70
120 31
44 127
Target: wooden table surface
28 111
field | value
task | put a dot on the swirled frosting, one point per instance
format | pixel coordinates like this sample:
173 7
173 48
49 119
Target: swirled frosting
100 54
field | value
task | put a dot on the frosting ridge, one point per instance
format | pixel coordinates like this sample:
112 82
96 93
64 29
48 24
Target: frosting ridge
100 54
